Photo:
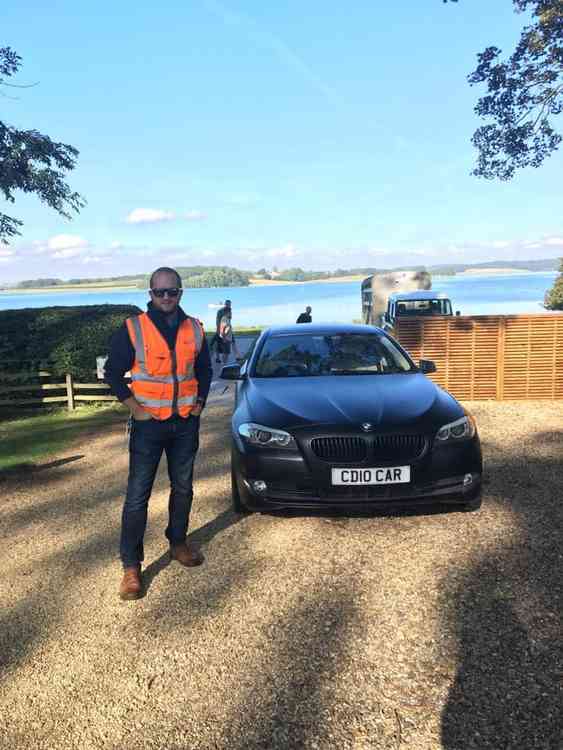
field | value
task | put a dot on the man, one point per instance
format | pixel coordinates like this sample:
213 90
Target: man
305 317
221 312
227 337
166 352
216 342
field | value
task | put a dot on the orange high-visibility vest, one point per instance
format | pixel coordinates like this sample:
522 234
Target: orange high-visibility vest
163 380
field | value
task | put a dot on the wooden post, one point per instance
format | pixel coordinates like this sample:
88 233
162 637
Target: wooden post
69 392
501 334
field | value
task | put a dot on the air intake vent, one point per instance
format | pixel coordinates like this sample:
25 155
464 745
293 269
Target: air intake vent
398 447
340 448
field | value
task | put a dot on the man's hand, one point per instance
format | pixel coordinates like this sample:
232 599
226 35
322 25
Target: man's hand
198 408
137 412
140 415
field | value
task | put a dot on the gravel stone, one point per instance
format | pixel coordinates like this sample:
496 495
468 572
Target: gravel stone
416 629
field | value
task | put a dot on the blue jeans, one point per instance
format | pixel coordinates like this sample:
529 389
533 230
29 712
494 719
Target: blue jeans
179 438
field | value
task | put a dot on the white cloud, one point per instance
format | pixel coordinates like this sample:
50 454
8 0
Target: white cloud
95 259
287 251
61 246
149 216
66 242
69 252
195 216
554 241
116 245
377 251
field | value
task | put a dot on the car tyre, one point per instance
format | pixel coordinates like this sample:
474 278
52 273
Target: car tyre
472 505
237 503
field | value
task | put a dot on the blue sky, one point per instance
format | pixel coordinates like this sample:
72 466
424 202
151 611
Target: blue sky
316 134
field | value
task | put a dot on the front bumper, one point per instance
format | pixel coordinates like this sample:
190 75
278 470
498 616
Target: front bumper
294 482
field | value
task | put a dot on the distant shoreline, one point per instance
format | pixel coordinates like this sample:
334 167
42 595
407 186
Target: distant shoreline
73 288
264 282
495 271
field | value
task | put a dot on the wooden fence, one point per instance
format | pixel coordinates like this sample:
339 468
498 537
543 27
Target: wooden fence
41 387
503 357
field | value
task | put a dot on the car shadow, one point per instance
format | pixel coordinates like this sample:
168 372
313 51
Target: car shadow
343 514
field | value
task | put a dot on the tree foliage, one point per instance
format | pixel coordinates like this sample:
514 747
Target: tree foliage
554 298
524 94
32 162
217 277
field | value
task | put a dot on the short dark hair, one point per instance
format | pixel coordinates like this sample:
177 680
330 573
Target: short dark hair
165 269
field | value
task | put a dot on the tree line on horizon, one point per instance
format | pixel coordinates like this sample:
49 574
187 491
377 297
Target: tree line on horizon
226 276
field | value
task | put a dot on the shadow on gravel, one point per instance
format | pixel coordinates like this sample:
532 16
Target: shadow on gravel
27 469
505 614
105 486
35 616
291 697
199 536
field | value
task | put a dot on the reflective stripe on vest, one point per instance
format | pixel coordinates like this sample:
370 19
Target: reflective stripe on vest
161 403
198 333
164 379
139 343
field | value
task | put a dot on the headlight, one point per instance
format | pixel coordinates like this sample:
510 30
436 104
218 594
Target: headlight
462 429
257 434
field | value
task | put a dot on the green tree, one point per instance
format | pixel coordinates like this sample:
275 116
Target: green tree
524 94
32 162
554 298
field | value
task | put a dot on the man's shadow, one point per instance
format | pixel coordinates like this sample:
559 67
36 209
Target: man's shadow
200 536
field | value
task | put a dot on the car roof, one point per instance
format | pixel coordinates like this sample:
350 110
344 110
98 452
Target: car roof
320 328
407 296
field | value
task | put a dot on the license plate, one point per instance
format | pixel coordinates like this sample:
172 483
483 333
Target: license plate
381 475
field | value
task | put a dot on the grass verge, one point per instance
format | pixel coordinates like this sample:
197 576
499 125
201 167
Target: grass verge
27 440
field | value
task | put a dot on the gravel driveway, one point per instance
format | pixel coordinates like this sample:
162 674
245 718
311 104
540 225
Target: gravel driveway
411 630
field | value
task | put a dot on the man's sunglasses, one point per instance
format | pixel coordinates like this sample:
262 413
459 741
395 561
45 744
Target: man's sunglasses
171 292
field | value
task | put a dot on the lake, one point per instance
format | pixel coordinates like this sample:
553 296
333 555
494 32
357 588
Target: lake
270 305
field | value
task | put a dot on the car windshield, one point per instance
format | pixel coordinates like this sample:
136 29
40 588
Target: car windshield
424 307
287 356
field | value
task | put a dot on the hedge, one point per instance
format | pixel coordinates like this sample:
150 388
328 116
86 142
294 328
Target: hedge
66 339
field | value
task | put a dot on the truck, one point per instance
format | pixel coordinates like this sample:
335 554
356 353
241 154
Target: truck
412 304
389 295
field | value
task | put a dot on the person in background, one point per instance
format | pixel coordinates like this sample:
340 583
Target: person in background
227 337
216 343
166 352
227 309
305 317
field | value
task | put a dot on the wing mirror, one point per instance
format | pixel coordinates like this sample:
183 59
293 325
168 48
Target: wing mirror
231 372
426 366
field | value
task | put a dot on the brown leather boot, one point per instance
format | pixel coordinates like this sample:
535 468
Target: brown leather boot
186 555
131 586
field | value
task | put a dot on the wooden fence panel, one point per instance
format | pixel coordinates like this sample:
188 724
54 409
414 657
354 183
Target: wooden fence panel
491 356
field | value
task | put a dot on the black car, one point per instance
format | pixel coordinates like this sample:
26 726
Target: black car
340 416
